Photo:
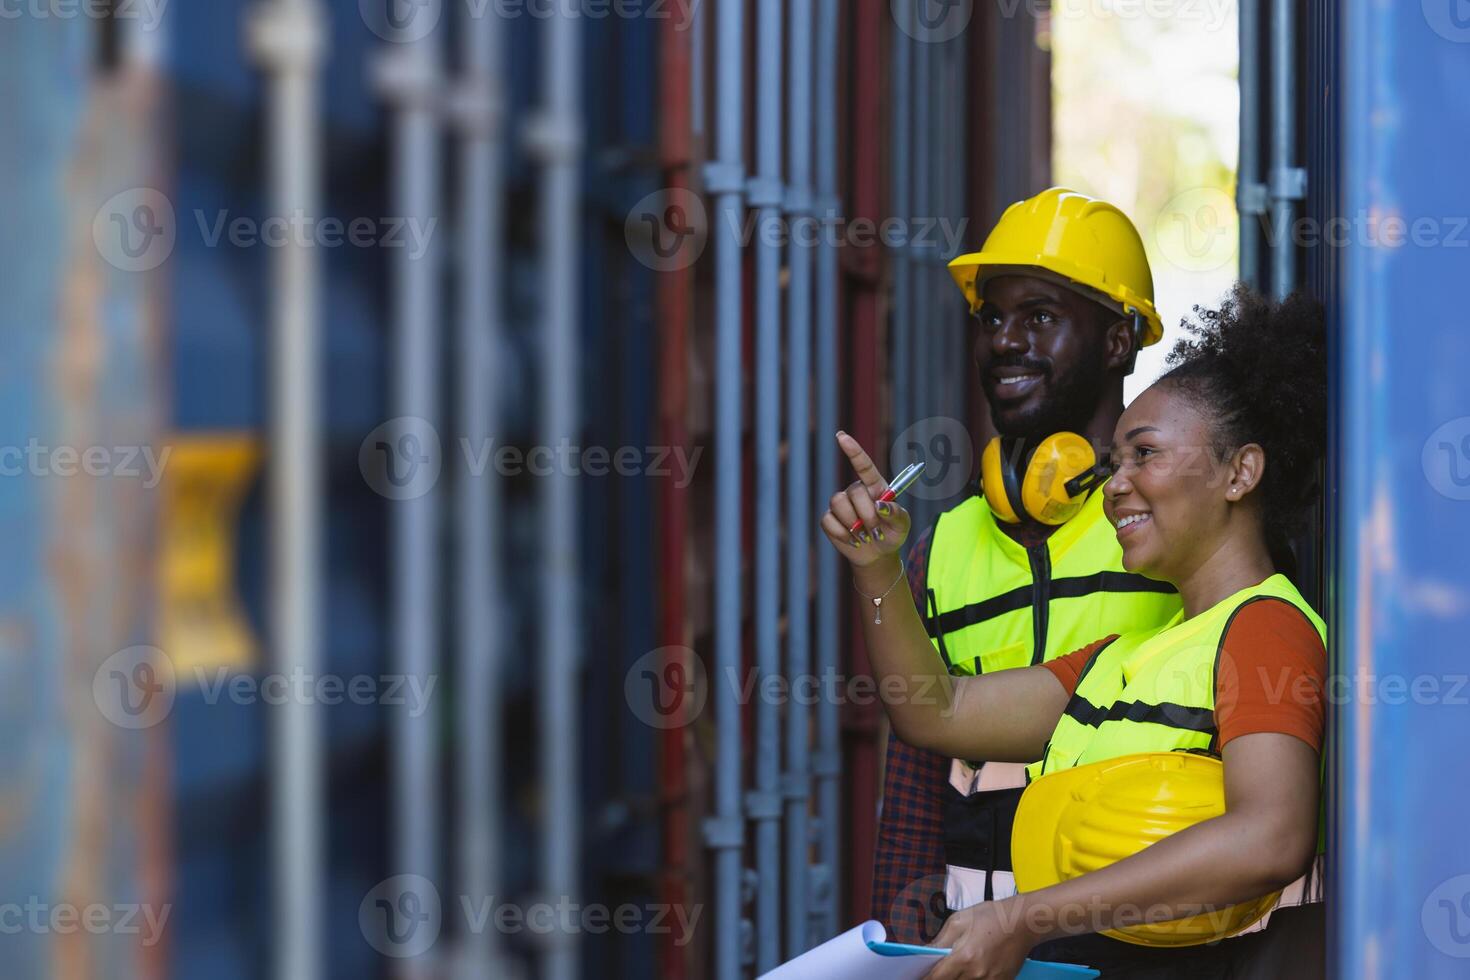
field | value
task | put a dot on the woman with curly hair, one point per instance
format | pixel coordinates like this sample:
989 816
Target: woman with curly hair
1212 469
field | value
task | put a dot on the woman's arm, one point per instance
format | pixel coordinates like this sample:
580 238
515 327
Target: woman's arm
1005 717
1265 840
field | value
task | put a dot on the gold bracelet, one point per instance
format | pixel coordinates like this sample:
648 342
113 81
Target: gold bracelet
878 600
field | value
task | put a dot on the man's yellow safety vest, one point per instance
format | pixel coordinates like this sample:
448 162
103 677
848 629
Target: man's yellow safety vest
992 604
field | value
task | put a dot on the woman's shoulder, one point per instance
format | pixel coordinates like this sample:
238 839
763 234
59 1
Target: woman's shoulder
1275 619
1269 673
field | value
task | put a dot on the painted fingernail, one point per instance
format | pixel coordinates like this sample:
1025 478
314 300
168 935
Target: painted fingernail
866 538
879 532
856 543
885 510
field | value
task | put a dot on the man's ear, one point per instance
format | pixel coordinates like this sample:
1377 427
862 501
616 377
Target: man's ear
1120 341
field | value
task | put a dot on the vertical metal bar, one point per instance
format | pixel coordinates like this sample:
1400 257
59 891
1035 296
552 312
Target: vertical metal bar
932 328
953 126
725 179
1286 180
478 498
935 366
556 140
412 76
902 259
698 68
674 291
921 206
951 129
1250 192
861 721
827 766
958 318
289 37
798 469
764 804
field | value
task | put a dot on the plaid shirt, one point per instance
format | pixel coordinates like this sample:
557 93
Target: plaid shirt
909 867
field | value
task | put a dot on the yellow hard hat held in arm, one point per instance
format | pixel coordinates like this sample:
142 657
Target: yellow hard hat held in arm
1079 241
1081 819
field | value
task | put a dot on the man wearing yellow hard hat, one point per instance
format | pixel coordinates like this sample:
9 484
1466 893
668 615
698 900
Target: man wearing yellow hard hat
1029 569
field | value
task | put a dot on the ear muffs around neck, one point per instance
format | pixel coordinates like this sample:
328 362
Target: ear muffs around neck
1062 471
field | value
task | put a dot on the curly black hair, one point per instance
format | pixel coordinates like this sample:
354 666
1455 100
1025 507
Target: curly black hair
1258 368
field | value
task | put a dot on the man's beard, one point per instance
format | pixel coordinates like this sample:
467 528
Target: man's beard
1068 405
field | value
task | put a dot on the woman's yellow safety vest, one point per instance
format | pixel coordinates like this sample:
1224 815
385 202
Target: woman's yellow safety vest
992 604
1154 690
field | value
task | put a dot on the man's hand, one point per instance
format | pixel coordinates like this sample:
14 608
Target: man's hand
885 526
990 941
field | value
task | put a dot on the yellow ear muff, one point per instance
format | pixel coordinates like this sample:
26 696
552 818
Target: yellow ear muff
1054 487
1060 459
994 470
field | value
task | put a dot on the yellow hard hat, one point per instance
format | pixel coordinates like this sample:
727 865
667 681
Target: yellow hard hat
1079 820
1080 241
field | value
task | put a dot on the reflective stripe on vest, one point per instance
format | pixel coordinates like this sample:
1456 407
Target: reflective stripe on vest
993 605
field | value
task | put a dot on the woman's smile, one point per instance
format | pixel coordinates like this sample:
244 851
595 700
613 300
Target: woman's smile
1131 523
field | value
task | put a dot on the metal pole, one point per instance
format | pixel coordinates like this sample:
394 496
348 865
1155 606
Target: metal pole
827 765
725 178
959 317
1288 182
862 339
411 79
480 114
1250 194
922 325
763 804
289 38
698 69
901 317
675 308
555 138
798 469
949 143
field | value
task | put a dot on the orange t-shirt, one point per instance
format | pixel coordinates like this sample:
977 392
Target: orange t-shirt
1271 673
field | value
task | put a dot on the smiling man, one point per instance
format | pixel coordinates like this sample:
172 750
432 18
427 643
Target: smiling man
1030 568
